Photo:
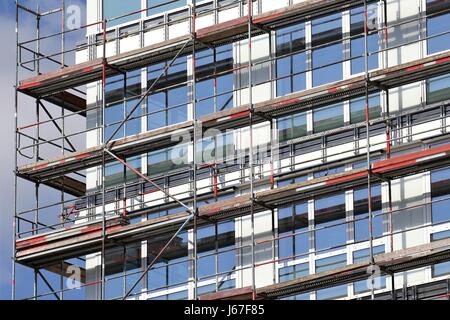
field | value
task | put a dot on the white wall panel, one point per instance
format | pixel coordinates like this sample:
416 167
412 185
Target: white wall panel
284 165
228 14
263 253
425 130
260 72
397 11
111 50
179 29
308 160
181 191
154 36
82 56
204 21
407 192
93 15
93 274
268 5
231 179
405 97
203 186
339 152
154 198
129 43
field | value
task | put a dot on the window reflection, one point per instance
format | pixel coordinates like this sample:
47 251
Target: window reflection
440 194
329 218
438 25
327 58
358 38
293 220
358 108
116 8
168 104
328 118
159 6
291 66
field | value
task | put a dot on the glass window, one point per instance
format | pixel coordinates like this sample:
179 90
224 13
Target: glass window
298 297
177 105
327 264
328 118
130 265
227 3
364 256
159 6
116 8
358 108
293 272
331 263
204 8
260 73
438 25
438 89
440 196
332 293
358 38
363 164
405 31
443 268
168 104
120 103
360 211
172 268
116 173
328 172
292 127
330 217
216 149
328 56
215 80
292 220
284 183
168 159
216 255
135 163
176 296
162 213
133 125
114 114
291 62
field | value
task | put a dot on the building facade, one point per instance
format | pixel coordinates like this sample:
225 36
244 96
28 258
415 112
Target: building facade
303 145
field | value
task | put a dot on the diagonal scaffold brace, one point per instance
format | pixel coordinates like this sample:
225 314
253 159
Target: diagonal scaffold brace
147 93
123 162
188 219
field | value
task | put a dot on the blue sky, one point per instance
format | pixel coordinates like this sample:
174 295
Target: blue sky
7 9
7 78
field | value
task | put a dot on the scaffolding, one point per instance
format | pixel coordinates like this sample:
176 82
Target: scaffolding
49 247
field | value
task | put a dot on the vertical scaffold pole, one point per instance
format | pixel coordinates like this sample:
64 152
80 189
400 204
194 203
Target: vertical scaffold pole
37 109
250 161
63 130
16 106
369 171
388 140
194 150
103 253
36 185
63 33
